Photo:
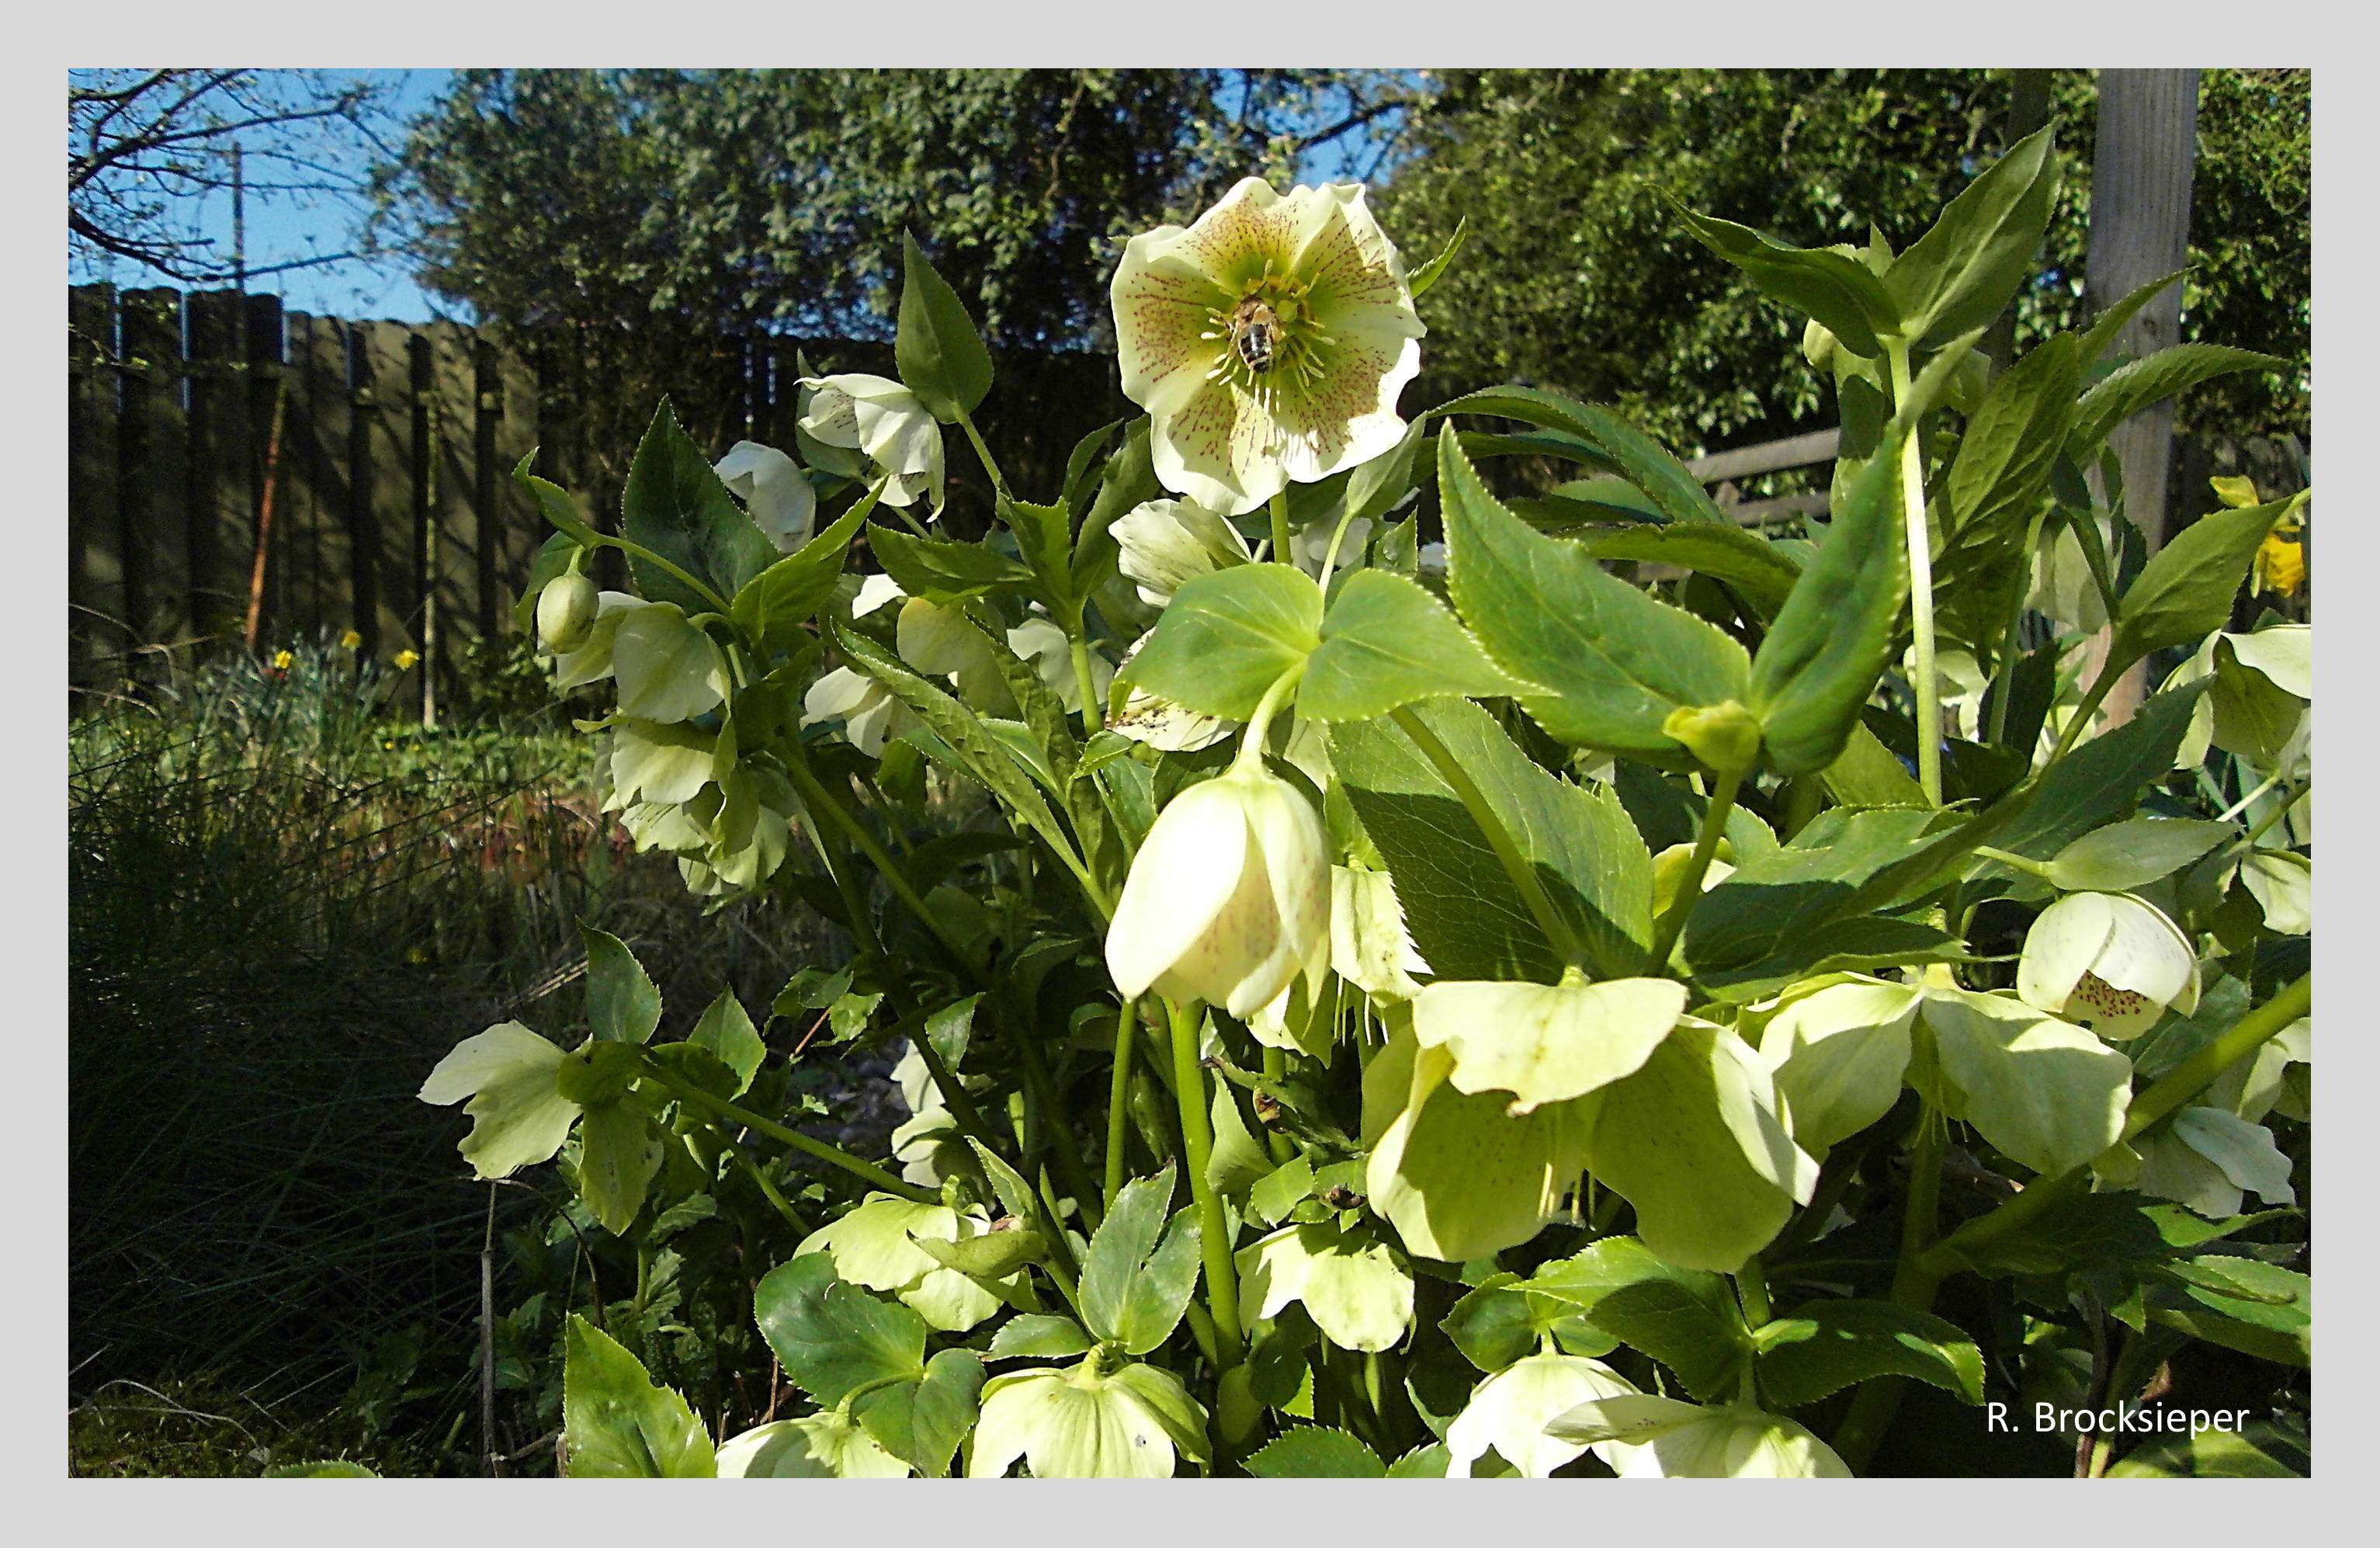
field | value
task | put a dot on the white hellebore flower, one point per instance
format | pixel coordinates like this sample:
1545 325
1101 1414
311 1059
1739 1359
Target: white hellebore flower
2108 960
1162 723
1269 341
1044 646
777 496
1165 544
883 422
825 1445
1510 1411
1229 898
869 714
1644 1436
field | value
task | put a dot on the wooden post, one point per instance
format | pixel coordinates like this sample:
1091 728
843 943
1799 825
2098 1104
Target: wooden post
2140 228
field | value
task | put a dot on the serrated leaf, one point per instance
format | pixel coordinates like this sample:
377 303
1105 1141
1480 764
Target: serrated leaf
1687 1319
1039 1336
2184 593
1609 661
1314 1451
675 505
936 349
944 573
773 606
1758 570
1387 642
1822 1346
1960 275
726 1033
616 1422
1603 438
2153 379
622 1003
1839 291
1227 636
923 1421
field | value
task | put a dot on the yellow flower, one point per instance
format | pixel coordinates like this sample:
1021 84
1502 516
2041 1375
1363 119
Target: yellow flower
283 661
350 641
406 661
2280 564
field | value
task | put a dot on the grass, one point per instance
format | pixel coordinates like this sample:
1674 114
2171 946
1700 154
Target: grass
284 905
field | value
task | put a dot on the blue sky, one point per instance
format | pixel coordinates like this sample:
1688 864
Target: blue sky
286 227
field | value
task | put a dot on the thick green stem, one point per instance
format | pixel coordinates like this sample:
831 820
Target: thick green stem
868 1172
2109 672
637 550
1119 1098
1093 712
1752 1290
1280 549
1921 583
1557 928
2004 675
1689 886
2265 823
983 453
1198 1145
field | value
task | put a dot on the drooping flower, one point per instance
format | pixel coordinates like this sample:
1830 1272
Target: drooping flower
1229 898
869 714
1267 340
1644 1436
777 496
1087 1421
828 1443
566 612
2108 960
1164 544
882 421
1511 1409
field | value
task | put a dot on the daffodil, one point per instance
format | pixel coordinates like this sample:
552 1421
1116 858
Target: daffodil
283 661
884 422
351 640
777 496
1267 340
2110 960
1164 544
1644 1436
405 661
1229 898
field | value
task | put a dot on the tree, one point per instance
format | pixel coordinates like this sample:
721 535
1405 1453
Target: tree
1578 275
145 148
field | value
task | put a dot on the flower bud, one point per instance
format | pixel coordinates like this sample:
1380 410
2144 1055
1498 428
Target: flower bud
566 612
1229 897
1726 736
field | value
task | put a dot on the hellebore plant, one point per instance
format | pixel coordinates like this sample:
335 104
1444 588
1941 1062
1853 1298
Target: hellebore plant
1383 985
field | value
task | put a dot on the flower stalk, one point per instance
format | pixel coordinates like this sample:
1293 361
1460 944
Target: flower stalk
1921 584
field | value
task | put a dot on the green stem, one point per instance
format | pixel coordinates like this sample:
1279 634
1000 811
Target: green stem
2251 799
2014 862
1330 554
1276 1069
1524 875
868 1172
1752 1289
1689 886
2110 671
1913 1284
637 550
1921 582
1093 712
1252 739
776 1198
1198 1145
2005 674
1280 549
983 453
2265 823
1119 1098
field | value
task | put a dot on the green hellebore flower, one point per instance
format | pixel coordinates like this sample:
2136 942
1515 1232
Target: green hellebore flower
1350 1285
869 713
882 421
826 1445
2110 960
872 1246
1644 1436
2045 1093
566 612
777 496
1082 1423
1511 1409
518 1116
1229 898
669 669
2208 1160
1269 341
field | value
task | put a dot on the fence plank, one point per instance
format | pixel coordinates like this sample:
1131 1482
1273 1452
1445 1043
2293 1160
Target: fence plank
218 503
263 351
517 408
95 535
360 375
450 419
151 489
388 414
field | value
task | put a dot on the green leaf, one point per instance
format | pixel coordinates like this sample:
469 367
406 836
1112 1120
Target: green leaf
1685 1318
1134 1285
1467 919
1314 1451
1428 275
1039 1336
676 506
1757 569
977 747
1847 299
1229 636
1613 661
617 1423
941 572
1129 480
994 1255
726 1032
1609 439
1237 1160
1822 1346
832 1336
1866 774
2152 379
937 350
619 1155
1793 891
622 1003
1962 274
554 503
337 1469
922 1422
1387 642
1503 1319
1045 540
2099 780
2101 337
772 606
2011 444
2184 592
2132 854
1834 636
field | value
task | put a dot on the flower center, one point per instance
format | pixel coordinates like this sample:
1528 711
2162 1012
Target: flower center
2106 999
1272 343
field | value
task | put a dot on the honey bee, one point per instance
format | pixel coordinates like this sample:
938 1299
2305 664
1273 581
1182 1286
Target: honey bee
1256 334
